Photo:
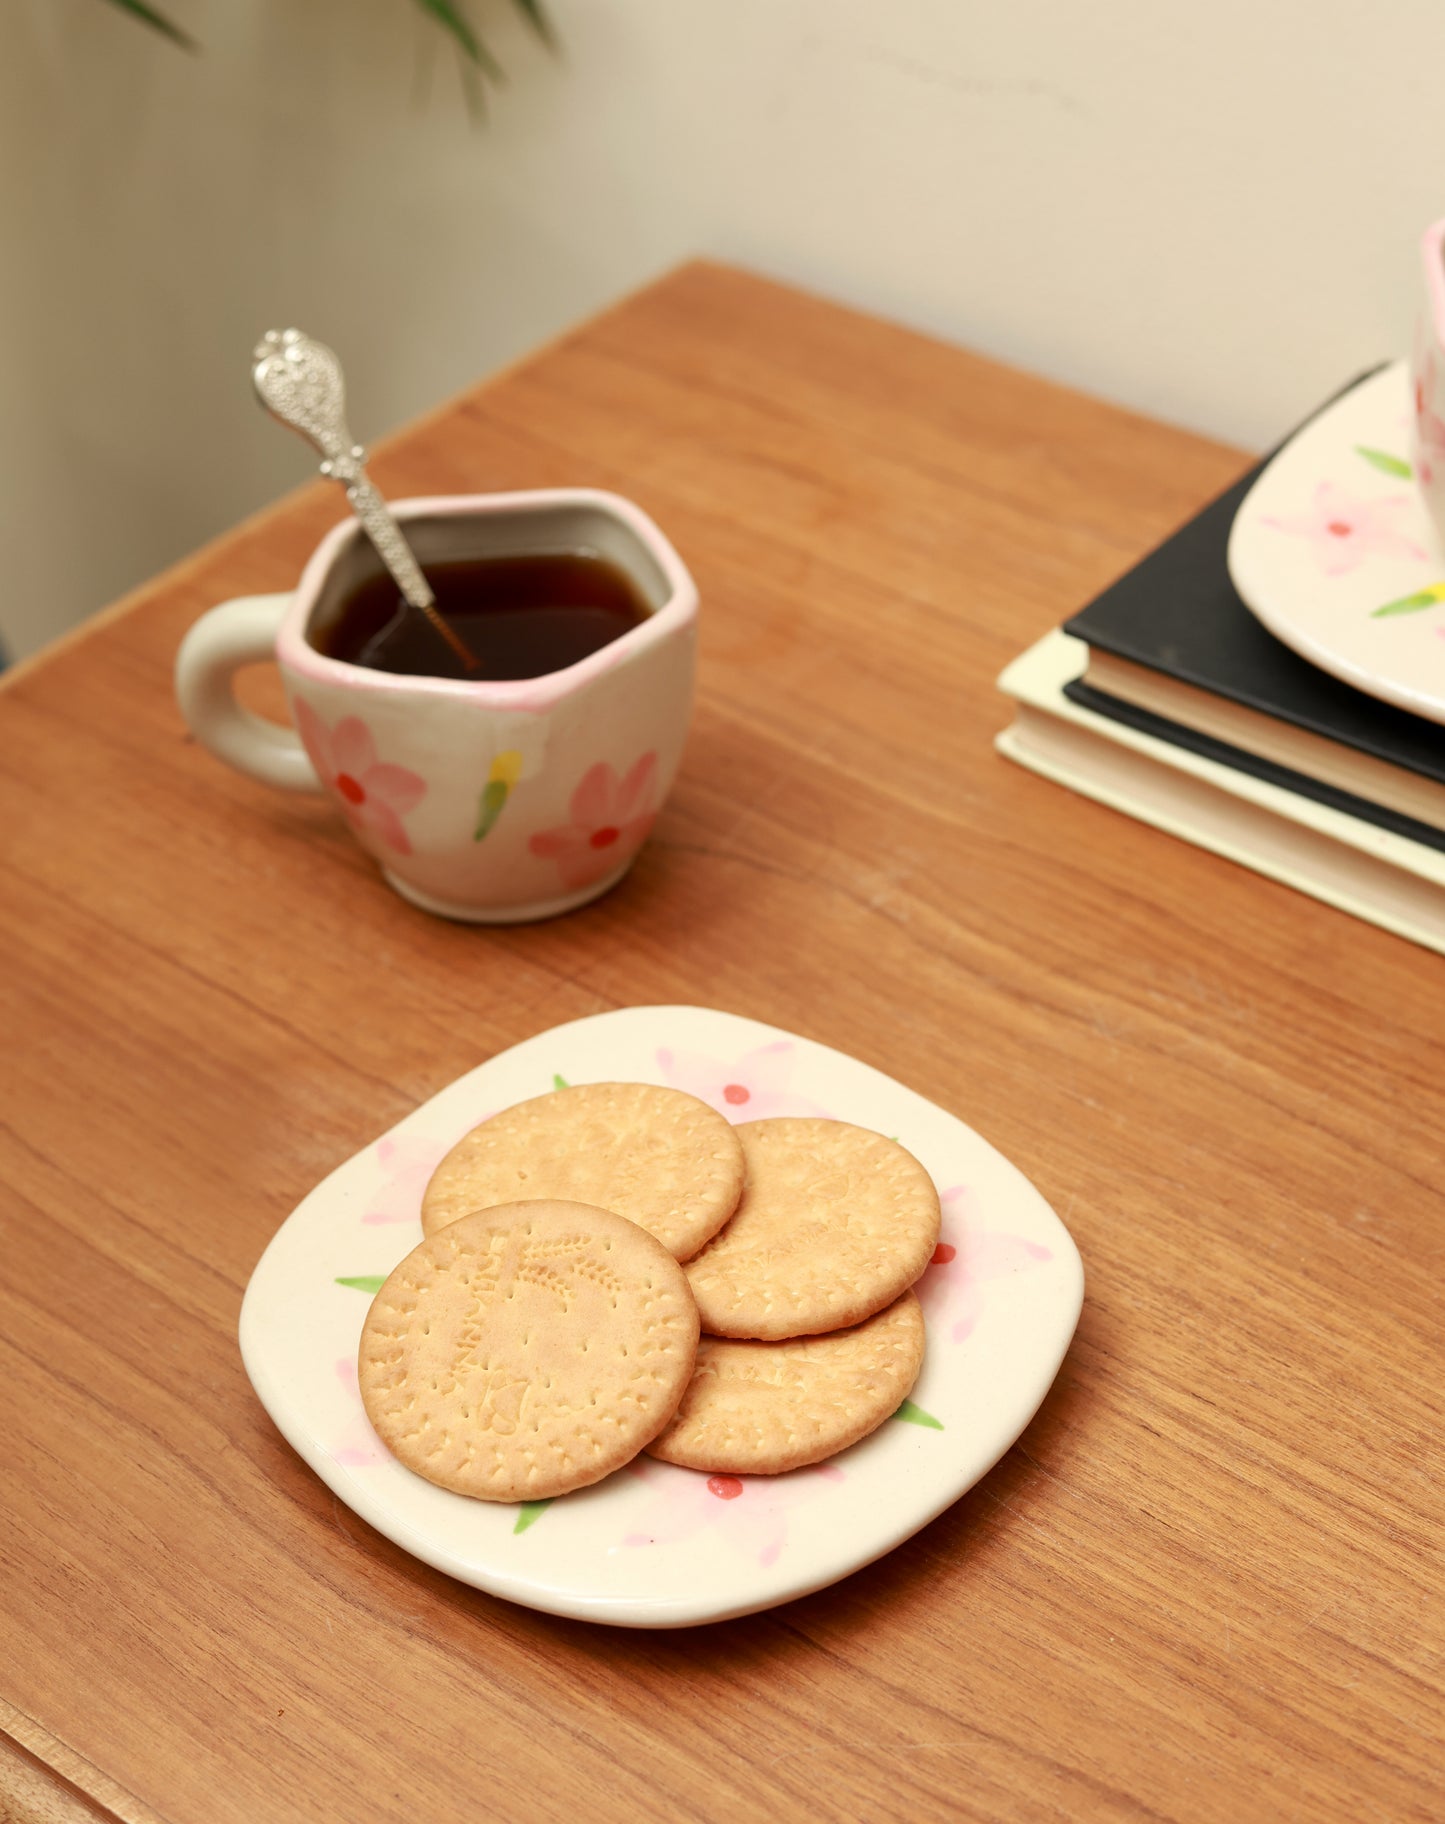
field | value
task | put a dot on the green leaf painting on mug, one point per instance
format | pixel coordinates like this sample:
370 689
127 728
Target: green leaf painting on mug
505 771
1386 463
494 796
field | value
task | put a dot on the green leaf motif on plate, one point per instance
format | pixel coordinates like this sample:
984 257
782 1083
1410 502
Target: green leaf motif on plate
1385 462
1411 604
560 1082
529 1513
365 1282
915 1415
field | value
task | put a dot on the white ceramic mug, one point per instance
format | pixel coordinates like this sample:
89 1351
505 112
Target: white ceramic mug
491 801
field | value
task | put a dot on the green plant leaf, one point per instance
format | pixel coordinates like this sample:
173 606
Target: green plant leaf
1410 604
915 1415
450 16
365 1282
158 22
530 1512
533 12
1382 460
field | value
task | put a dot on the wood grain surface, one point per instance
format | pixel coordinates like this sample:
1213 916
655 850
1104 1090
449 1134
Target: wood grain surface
1205 1585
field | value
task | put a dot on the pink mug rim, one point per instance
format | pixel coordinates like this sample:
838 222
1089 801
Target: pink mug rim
295 654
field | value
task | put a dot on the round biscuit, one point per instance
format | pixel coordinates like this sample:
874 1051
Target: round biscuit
835 1223
757 1409
527 1350
660 1157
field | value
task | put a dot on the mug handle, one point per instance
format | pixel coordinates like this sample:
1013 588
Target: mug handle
239 633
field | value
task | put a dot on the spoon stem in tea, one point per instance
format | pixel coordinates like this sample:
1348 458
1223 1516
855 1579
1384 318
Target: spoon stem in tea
383 531
299 381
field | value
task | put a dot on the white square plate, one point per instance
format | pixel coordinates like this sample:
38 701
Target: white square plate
655 1546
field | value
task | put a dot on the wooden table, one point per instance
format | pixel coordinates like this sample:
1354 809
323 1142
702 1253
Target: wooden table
1206 1583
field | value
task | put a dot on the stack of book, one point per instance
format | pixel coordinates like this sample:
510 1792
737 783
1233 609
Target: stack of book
1168 700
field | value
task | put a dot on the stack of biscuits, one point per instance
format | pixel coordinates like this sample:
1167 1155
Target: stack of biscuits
615 1268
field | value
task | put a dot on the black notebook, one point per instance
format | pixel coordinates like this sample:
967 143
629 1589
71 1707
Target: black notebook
1177 613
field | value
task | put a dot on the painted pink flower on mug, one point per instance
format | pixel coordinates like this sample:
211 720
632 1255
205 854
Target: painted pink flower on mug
608 821
374 796
1344 529
753 1087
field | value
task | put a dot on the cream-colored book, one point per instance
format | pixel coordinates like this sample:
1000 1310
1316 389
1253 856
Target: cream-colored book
1370 872
1331 762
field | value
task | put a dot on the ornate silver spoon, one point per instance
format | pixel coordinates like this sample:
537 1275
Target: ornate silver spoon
300 382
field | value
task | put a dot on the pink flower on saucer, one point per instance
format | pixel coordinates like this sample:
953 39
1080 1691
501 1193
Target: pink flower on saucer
1345 530
753 1087
1429 426
374 796
610 818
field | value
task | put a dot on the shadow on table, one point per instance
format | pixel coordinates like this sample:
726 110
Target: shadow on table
953 1559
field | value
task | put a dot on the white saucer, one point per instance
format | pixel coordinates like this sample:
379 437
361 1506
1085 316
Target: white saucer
1334 552
655 1546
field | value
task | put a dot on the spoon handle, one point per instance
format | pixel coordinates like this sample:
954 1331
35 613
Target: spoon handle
300 382
383 531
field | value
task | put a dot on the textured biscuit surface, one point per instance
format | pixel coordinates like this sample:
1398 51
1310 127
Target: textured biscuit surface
756 1409
835 1223
527 1350
660 1157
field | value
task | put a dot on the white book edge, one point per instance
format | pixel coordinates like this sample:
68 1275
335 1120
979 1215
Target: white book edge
1371 873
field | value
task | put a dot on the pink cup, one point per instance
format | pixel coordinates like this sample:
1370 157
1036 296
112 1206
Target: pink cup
493 802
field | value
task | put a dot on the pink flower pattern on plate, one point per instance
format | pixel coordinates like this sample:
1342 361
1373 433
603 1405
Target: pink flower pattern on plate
408 1164
751 1510
967 1256
374 795
609 821
753 1087
1344 529
360 1447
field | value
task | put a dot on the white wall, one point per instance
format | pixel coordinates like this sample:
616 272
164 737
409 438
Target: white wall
1208 212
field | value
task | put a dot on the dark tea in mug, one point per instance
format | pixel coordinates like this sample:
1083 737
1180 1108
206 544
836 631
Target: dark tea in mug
519 616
